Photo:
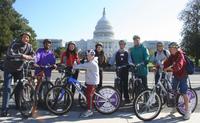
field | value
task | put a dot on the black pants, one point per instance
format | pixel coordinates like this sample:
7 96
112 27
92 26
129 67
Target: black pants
124 83
144 81
157 76
100 77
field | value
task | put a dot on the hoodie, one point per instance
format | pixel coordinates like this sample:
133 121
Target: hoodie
14 61
92 71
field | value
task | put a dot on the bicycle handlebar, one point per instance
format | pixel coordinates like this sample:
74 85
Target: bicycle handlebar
131 65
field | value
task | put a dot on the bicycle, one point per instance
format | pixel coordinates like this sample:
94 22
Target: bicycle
135 85
59 98
43 85
148 104
24 93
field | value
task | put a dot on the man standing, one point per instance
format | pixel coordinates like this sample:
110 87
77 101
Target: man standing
44 56
17 52
122 57
140 55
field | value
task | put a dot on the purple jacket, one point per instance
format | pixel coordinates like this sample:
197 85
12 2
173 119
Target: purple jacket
42 58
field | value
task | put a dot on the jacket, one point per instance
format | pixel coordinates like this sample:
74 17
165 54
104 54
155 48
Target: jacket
92 71
43 58
140 54
13 61
101 59
178 63
70 60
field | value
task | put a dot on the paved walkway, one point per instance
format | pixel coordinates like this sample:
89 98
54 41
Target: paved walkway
117 117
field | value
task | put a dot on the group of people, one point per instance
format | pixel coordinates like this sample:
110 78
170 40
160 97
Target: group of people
172 60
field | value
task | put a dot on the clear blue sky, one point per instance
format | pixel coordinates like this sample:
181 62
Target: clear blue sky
76 19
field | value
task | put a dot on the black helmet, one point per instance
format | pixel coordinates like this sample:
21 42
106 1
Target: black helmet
47 41
26 33
173 44
98 44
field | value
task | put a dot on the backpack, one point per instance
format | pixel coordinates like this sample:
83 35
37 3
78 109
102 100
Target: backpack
189 65
164 51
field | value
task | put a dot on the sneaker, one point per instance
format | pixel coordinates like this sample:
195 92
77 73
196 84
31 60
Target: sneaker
88 113
4 114
173 111
187 115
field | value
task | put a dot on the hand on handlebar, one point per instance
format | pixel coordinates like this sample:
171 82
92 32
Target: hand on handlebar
27 57
168 69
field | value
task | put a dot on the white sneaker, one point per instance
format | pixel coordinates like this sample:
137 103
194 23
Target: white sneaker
88 113
173 111
187 115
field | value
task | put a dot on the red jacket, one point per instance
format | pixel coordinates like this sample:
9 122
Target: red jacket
178 64
69 61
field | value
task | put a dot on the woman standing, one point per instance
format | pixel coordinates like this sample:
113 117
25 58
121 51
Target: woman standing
101 60
69 57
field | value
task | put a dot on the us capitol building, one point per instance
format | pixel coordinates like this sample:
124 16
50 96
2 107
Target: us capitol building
103 33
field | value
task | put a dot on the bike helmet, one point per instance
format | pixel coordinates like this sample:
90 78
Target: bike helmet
26 33
47 41
173 45
98 44
91 52
160 43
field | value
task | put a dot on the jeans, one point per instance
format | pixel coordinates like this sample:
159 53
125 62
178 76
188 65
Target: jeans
7 87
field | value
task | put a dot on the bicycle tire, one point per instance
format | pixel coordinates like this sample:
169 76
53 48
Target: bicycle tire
193 101
140 105
131 89
45 86
138 87
62 105
112 103
58 81
27 100
82 102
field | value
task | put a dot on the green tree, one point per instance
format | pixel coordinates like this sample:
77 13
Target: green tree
58 52
12 24
191 29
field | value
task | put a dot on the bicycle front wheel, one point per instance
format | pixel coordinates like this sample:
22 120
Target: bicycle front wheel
27 100
193 100
147 105
59 100
45 86
107 100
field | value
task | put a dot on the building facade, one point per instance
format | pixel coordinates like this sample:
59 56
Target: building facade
56 43
103 33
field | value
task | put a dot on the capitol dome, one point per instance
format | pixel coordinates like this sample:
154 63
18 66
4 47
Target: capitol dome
103 29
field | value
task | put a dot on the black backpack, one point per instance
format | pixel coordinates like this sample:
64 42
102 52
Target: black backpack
164 51
189 65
